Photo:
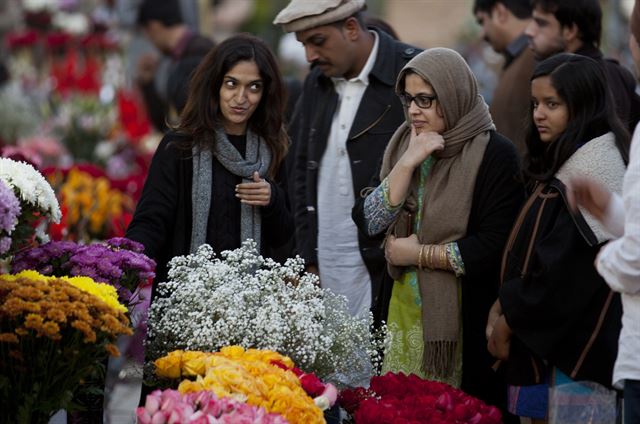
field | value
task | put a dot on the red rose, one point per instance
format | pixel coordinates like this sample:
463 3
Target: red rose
390 384
311 384
350 400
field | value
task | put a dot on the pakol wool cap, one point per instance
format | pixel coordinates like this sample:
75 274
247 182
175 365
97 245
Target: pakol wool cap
300 15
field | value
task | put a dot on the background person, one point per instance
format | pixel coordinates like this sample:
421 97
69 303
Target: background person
164 88
575 27
503 23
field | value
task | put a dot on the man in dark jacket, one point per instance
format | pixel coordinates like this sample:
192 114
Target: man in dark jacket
346 115
503 23
575 27
162 23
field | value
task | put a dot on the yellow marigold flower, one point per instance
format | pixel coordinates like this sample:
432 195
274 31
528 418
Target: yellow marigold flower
21 331
112 350
56 314
51 330
8 338
89 334
33 321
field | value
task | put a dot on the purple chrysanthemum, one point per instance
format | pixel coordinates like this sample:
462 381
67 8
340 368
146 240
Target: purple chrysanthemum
125 243
48 259
118 262
9 208
5 244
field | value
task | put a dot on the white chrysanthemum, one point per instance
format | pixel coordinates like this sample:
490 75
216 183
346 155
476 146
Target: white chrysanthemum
73 23
30 187
245 299
39 5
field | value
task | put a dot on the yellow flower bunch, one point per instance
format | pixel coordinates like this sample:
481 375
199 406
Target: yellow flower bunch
54 333
90 201
246 375
105 292
47 306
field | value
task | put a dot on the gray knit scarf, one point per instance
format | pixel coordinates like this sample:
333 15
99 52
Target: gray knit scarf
258 158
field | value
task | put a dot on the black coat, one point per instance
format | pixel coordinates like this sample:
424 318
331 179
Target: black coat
497 197
162 221
378 116
559 308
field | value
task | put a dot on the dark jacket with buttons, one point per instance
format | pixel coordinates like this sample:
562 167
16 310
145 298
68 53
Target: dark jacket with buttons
378 116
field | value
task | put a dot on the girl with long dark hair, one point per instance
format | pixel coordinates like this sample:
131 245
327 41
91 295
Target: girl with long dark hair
212 179
556 320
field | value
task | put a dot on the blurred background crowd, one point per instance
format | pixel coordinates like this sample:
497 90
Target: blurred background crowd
86 93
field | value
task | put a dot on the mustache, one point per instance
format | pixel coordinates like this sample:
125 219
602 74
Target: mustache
318 63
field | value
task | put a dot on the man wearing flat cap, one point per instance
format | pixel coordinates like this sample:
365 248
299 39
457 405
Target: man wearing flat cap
347 113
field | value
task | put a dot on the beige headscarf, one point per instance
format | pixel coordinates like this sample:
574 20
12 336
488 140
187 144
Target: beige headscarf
448 194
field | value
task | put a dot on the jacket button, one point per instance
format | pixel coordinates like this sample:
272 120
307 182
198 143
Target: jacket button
409 51
312 165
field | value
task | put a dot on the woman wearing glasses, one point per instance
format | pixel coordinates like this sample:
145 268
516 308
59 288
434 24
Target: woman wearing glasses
448 195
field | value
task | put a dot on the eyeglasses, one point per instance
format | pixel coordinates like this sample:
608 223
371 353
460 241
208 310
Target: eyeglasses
422 100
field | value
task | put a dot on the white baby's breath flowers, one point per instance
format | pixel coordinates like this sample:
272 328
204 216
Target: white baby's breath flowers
30 187
245 299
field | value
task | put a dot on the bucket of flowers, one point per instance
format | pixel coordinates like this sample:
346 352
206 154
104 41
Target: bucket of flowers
27 202
54 333
258 383
392 398
255 302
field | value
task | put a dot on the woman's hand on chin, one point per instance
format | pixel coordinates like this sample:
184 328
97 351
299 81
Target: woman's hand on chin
421 145
256 193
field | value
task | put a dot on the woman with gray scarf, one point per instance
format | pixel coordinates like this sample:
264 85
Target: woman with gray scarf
448 195
213 178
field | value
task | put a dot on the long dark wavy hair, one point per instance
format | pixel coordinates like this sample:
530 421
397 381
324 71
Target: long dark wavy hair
581 83
201 114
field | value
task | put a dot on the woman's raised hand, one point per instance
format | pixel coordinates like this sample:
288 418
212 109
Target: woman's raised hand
421 145
256 193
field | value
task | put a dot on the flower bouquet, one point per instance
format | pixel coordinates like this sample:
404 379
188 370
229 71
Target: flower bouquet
255 302
93 209
395 398
261 378
54 333
37 202
119 262
169 406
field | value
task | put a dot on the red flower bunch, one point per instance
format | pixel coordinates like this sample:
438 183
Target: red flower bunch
400 399
18 40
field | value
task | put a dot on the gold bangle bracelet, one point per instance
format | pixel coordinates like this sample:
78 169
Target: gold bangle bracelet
431 252
443 257
420 256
